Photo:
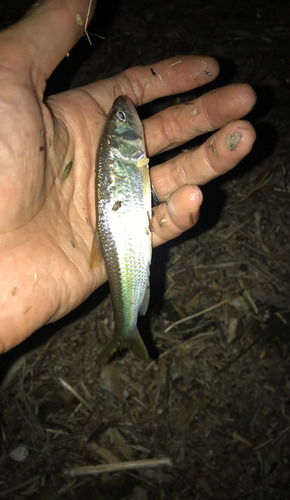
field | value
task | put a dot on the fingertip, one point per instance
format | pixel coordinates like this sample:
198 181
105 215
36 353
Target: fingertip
246 96
214 67
248 137
203 69
179 213
183 206
197 195
250 93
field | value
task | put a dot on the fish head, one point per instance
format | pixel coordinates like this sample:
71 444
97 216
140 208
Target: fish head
125 130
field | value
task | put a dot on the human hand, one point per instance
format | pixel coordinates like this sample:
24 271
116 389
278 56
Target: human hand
47 222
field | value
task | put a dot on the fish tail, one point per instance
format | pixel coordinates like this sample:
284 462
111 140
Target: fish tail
110 348
135 344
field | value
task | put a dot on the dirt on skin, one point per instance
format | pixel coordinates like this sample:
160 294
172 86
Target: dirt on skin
215 404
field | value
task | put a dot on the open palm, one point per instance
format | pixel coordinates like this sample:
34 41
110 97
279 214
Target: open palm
47 222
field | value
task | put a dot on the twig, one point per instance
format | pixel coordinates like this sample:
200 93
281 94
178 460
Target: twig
4 493
87 21
69 388
118 466
176 335
200 313
70 487
182 344
241 353
267 177
263 444
195 337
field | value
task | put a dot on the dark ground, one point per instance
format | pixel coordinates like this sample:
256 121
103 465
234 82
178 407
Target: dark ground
217 402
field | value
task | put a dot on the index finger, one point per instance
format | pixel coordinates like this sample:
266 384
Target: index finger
143 84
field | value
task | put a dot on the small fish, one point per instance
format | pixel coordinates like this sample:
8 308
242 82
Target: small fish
123 228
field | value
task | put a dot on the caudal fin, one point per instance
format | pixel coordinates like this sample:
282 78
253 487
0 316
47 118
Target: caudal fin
135 344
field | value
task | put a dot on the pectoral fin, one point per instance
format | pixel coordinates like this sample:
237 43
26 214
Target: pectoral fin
145 301
96 256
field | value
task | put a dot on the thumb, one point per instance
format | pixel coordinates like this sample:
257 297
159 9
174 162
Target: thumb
43 37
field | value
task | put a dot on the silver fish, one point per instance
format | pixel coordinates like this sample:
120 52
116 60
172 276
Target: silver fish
123 229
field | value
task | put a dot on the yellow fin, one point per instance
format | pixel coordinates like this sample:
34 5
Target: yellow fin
138 347
96 256
134 344
110 348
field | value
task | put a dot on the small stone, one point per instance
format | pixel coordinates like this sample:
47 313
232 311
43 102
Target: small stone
19 454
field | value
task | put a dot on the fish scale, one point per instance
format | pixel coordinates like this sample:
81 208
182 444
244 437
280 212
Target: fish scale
124 248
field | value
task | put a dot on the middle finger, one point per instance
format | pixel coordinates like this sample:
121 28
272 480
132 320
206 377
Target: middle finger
217 155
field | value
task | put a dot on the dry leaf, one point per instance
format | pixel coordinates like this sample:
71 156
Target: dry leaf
120 442
112 381
107 455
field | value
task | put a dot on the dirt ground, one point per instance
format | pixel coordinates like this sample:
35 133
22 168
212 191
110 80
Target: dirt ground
210 412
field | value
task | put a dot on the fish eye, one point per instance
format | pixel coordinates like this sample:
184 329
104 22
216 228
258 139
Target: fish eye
120 115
